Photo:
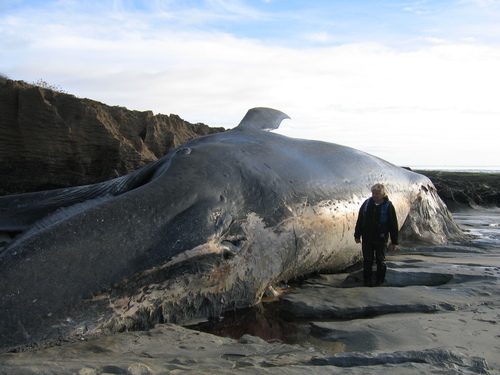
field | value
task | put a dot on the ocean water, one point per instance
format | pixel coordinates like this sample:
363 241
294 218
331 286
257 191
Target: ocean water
483 224
458 168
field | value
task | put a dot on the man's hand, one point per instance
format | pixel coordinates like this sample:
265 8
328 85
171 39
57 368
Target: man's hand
393 247
357 240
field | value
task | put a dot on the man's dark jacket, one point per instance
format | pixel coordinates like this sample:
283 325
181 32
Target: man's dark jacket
369 227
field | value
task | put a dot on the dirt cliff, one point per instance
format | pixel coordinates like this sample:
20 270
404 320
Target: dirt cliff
50 139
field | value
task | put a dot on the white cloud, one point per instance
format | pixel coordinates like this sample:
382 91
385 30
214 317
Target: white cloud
234 6
435 40
320 37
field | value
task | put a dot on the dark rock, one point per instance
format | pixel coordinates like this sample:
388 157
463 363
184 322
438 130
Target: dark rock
50 139
431 356
355 303
466 189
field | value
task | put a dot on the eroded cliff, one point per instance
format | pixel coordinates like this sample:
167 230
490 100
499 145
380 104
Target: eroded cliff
50 139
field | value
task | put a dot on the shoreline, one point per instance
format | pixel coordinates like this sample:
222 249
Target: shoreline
457 168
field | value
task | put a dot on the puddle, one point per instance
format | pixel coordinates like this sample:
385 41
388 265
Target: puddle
265 321
484 224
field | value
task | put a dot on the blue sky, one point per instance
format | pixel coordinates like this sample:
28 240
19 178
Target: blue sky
413 82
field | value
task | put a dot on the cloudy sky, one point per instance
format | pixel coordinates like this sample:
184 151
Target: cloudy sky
414 82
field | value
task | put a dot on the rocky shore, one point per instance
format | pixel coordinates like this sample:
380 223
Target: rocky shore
438 313
460 190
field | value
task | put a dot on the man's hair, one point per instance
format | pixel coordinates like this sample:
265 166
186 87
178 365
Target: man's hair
380 188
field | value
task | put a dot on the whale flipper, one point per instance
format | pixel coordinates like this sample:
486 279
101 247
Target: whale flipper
262 118
19 212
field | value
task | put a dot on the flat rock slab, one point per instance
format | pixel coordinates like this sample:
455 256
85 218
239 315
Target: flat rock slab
410 286
354 303
432 299
474 331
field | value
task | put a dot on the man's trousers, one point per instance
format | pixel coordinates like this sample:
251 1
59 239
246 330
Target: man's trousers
373 251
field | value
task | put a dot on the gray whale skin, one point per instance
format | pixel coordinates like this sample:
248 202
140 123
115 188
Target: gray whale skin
209 227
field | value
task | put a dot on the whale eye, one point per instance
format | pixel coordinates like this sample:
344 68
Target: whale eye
183 151
227 255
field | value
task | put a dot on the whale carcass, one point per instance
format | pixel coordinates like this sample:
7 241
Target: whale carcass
207 228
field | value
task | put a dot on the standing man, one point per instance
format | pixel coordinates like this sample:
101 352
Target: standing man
376 220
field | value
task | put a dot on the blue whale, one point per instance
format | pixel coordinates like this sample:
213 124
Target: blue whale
210 227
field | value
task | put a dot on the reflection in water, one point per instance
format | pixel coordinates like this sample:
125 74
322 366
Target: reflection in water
265 321
483 224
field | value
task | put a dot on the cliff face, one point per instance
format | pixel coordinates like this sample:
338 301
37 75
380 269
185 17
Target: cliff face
50 139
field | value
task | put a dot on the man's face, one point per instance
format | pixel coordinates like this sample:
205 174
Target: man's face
377 196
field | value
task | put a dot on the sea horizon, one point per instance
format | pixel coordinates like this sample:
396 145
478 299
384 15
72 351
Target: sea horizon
458 168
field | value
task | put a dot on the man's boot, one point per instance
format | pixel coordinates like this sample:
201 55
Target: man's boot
367 276
381 271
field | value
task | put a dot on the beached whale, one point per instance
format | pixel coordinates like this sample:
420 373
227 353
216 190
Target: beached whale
209 227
